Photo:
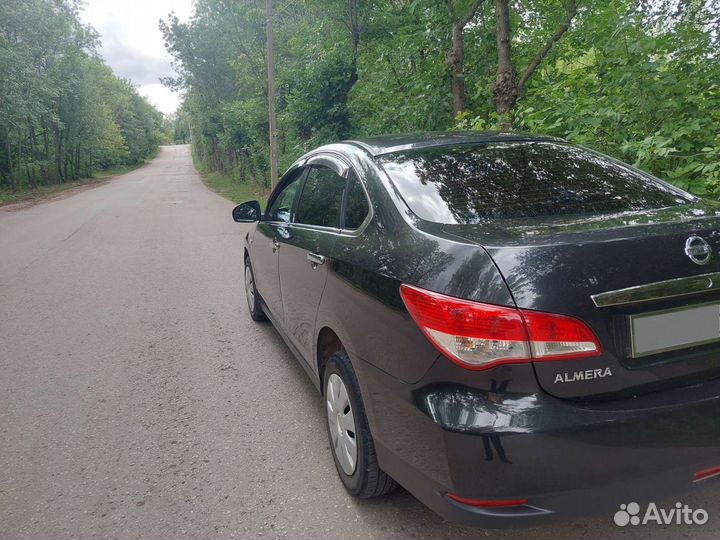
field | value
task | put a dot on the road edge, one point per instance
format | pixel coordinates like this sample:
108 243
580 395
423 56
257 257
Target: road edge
68 189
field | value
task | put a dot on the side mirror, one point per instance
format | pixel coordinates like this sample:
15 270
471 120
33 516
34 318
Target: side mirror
247 212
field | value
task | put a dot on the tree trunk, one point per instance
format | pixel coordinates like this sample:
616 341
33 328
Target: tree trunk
70 163
355 32
456 57
19 158
505 90
8 151
456 61
46 154
33 152
65 161
77 161
58 153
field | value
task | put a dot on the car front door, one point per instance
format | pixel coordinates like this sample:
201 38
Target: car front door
273 227
304 254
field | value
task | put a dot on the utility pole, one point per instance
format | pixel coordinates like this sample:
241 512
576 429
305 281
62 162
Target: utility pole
271 95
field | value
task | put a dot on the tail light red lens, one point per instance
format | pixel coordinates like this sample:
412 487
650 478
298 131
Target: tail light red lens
474 335
488 503
480 336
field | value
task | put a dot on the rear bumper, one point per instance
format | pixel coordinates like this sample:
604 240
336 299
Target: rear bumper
566 459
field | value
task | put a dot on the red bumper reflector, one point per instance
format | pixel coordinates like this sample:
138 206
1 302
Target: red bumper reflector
707 473
489 503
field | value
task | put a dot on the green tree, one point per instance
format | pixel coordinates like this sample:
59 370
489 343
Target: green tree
635 78
63 114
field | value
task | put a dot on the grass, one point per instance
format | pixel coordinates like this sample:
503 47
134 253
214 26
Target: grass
233 189
8 196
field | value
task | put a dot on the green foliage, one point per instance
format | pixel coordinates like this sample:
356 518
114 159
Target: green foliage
641 86
229 188
637 79
404 80
315 95
63 114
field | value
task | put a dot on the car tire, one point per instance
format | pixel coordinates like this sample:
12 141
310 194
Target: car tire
251 294
363 478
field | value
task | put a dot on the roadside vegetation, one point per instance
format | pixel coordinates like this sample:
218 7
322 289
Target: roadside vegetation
637 79
8 196
232 188
64 115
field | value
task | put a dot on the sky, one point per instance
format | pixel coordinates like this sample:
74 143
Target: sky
132 44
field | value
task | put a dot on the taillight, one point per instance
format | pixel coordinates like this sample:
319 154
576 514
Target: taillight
480 336
473 334
557 337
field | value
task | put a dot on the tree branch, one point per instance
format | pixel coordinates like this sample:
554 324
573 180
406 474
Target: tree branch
450 8
462 23
254 66
471 13
540 56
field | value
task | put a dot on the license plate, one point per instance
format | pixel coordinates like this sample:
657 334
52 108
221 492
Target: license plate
661 331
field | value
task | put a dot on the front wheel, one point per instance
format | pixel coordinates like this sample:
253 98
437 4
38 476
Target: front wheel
350 439
253 299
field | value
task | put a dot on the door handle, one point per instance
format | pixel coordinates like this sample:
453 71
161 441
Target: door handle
315 259
275 244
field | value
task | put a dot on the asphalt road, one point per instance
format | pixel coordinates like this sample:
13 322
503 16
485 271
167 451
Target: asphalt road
138 399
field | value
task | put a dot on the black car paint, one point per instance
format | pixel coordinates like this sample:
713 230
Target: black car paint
558 273
617 439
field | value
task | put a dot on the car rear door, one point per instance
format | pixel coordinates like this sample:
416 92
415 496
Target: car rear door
304 254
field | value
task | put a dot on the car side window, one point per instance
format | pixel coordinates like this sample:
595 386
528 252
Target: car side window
282 206
321 198
356 205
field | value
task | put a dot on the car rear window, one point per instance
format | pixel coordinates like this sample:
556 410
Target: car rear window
470 184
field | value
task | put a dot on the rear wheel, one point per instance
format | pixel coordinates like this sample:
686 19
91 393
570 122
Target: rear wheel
253 299
350 439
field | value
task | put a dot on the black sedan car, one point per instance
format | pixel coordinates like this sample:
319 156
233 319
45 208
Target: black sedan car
513 328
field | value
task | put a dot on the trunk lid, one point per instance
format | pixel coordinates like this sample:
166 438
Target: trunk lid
557 265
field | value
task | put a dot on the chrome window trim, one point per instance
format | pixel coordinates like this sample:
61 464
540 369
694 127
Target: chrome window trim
329 230
337 162
318 228
659 290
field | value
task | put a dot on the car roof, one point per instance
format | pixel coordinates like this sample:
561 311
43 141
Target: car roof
396 143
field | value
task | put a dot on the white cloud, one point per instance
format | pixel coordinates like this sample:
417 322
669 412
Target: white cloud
161 96
132 44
